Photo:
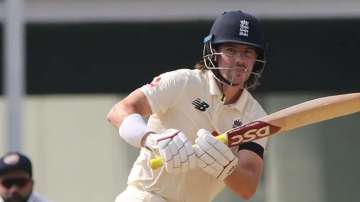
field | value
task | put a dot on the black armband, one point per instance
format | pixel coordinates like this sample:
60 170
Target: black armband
254 147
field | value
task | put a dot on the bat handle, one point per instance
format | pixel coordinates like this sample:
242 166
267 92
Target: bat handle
157 162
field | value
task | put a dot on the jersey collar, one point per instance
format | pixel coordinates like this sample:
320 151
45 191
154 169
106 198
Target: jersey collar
241 102
213 87
214 90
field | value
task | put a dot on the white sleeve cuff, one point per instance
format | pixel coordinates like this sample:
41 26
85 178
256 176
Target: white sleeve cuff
132 129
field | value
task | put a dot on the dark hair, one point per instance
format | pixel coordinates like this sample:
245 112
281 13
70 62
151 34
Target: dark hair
200 65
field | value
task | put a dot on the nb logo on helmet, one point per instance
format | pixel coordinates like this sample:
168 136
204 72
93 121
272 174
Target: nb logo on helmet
244 28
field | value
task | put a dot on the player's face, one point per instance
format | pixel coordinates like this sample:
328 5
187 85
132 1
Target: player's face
15 186
238 59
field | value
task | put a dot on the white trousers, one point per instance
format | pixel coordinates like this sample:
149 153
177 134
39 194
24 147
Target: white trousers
133 194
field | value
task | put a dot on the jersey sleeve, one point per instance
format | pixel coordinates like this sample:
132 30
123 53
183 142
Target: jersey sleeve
165 90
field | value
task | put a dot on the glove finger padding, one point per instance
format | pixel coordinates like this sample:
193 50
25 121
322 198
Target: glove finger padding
173 161
180 141
209 147
214 157
176 151
191 155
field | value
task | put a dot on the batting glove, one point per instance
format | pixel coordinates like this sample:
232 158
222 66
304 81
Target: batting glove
175 150
214 157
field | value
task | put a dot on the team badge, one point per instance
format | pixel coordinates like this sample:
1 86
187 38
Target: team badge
12 159
244 28
237 123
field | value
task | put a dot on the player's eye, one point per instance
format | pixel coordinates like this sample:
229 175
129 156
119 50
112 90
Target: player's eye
250 53
230 51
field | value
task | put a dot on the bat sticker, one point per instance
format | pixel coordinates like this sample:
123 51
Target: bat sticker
250 132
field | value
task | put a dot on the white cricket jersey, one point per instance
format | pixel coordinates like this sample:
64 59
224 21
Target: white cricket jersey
189 100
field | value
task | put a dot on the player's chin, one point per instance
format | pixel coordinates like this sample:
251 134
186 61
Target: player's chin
238 83
239 79
16 198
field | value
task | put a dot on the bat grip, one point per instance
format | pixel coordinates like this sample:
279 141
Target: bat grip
157 162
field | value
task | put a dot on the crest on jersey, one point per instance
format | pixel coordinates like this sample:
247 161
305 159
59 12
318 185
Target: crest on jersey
237 123
244 28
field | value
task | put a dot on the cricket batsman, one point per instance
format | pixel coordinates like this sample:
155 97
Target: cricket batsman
191 106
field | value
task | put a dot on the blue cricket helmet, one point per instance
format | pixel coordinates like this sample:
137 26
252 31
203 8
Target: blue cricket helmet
235 27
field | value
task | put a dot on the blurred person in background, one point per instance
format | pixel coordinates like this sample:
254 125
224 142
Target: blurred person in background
16 182
189 106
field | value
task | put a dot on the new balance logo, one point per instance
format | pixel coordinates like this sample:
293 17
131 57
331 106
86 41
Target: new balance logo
200 105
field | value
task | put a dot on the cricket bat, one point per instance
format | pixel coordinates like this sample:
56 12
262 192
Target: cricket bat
287 119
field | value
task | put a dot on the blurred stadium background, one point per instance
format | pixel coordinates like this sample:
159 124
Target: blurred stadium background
80 57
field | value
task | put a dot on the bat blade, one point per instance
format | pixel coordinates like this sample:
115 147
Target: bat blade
290 118
296 116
